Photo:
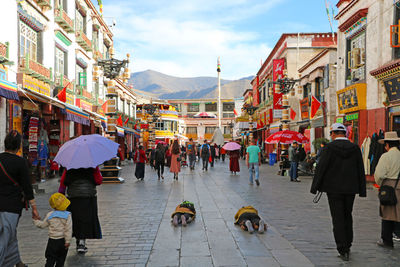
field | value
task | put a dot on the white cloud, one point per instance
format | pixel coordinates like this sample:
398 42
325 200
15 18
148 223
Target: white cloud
184 38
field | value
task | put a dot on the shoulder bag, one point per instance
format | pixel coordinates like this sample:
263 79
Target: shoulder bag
24 200
387 194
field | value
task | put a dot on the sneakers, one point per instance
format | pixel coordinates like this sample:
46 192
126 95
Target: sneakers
175 220
81 249
183 218
396 238
383 244
250 183
344 256
261 227
249 227
297 180
257 182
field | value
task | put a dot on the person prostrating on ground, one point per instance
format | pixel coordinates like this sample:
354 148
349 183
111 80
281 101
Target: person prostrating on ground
184 213
249 220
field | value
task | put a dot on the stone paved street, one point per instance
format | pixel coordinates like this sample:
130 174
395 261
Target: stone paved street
135 220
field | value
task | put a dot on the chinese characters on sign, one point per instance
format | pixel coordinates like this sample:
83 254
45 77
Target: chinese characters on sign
278 67
352 98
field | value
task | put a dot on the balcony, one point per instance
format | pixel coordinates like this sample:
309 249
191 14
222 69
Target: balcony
83 41
34 69
61 17
4 54
44 3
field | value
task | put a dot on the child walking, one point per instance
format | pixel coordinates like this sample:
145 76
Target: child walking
59 222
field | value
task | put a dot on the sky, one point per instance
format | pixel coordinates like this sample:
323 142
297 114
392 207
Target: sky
185 38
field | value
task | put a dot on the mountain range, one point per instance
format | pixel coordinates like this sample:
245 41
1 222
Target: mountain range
162 86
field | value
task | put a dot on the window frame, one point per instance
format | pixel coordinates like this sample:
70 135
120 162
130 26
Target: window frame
211 107
191 108
228 106
28 40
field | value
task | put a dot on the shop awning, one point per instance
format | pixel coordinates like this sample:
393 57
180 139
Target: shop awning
244 125
76 115
8 90
132 131
42 98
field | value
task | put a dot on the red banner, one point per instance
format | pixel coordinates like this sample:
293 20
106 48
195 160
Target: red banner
271 116
278 67
255 93
315 104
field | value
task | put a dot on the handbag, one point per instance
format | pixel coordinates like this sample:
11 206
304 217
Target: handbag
23 200
179 159
387 194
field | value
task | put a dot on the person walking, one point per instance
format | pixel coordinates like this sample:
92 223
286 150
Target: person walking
59 222
294 162
14 185
253 160
205 153
213 154
175 163
340 173
140 160
234 156
159 160
223 153
191 151
387 172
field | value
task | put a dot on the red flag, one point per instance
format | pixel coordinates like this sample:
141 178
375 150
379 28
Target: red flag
126 121
62 95
104 106
235 112
119 121
292 114
315 104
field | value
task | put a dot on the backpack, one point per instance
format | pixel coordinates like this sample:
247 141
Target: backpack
189 205
204 149
190 149
159 155
302 154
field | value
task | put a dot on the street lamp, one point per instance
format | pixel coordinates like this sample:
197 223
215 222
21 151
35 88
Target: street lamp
286 84
250 109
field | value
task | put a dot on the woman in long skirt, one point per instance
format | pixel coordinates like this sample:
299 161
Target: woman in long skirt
175 164
140 159
234 161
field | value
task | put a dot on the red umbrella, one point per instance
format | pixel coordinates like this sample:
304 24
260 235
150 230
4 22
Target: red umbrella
205 115
286 137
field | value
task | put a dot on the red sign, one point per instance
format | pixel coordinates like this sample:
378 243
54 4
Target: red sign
271 116
304 108
255 93
277 73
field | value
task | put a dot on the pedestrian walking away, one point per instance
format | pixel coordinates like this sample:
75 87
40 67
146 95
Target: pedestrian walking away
59 223
294 162
140 160
340 173
387 172
213 155
223 153
253 160
159 160
234 157
191 151
80 186
14 185
249 220
175 159
205 153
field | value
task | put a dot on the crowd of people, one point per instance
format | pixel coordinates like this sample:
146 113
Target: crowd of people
339 173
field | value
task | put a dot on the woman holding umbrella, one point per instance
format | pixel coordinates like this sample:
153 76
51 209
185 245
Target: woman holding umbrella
81 157
233 149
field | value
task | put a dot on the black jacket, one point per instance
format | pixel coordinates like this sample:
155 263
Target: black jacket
80 183
340 170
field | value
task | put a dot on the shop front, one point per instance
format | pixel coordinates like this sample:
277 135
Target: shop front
352 107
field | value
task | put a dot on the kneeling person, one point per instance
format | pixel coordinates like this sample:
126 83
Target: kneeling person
184 213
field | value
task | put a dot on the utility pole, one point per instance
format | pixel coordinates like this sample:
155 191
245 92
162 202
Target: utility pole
219 93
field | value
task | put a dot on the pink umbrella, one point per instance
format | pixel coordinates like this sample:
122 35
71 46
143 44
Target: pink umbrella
231 146
205 115
286 137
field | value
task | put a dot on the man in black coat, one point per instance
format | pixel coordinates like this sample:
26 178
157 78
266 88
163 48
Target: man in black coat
340 173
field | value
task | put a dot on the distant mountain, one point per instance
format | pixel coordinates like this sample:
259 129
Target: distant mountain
159 85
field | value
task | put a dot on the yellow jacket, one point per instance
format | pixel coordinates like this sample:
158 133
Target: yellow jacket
180 209
247 209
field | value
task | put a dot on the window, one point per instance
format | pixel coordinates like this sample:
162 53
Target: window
80 22
62 4
80 78
28 39
161 126
210 129
228 115
319 89
191 130
95 40
193 107
228 106
128 112
356 57
396 50
307 90
106 54
264 93
60 66
211 107
227 130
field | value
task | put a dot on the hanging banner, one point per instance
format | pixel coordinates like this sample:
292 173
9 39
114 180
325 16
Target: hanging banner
304 108
278 67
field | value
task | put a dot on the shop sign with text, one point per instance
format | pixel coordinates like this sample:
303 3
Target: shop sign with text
392 87
352 98
304 108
